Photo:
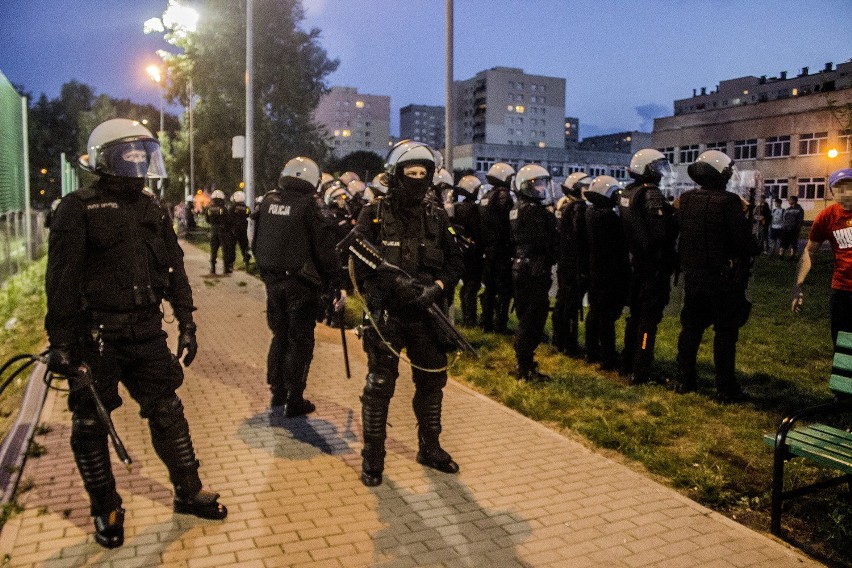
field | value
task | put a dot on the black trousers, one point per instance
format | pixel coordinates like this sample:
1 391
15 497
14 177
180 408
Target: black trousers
531 305
605 307
566 312
724 306
649 295
497 278
131 350
221 236
291 309
241 239
469 293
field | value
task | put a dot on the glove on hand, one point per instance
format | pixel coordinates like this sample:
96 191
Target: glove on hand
406 289
432 294
61 362
187 342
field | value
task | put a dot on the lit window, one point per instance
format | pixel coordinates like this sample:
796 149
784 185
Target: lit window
795 92
510 107
337 133
359 104
745 92
519 108
347 133
541 143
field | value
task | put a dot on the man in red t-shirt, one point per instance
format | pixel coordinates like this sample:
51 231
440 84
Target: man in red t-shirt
834 223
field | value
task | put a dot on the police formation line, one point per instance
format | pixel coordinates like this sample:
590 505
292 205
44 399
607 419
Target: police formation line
401 243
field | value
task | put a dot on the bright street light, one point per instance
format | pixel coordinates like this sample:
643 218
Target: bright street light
154 72
833 153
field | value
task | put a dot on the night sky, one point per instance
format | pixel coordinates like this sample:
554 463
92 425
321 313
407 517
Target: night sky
624 61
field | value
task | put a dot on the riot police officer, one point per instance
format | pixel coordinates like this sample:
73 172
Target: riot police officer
715 248
608 270
497 248
294 250
113 256
649 226
535 242
466 221
221 231
572 270
412 232
239 214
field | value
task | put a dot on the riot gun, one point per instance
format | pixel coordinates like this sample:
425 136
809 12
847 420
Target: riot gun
82 379
364 251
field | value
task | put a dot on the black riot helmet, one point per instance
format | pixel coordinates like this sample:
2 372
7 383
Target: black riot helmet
648 166
711 170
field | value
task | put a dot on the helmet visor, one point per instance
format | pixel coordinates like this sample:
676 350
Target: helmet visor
661 167
132 159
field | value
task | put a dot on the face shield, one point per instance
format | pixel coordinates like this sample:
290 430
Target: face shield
543 190
661 167
132 159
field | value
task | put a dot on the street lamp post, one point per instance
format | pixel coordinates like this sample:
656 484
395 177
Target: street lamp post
156 76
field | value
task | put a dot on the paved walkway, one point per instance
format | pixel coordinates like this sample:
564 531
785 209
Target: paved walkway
526 496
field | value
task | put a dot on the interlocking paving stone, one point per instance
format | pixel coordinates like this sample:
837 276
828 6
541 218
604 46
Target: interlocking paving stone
526 496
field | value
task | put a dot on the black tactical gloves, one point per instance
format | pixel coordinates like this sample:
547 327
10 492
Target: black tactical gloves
187 342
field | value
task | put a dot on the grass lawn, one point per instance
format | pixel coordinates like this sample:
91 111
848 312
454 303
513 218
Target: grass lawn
712 453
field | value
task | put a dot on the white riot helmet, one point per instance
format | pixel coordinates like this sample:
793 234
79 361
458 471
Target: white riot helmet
575 184
534 182
711 170
124 148
604 185
217 194
407 153
301 174
336 194
500 174
442 179
649 166
468 186
325 181
355 187
376 188
239 197
347 177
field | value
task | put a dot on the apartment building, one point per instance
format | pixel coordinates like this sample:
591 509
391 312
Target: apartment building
354 121
424 123
785 134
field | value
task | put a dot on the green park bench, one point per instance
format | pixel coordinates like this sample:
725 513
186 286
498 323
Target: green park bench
801 435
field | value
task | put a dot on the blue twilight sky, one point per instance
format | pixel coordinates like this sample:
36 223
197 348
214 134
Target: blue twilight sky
624 61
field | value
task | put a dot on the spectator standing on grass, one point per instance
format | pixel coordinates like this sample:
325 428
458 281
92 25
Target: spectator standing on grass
834 223
791 222
776 227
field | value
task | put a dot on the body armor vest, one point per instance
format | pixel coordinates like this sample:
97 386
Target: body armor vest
416 243
281 243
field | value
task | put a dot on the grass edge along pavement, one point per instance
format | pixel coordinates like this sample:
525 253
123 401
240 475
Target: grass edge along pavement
709 452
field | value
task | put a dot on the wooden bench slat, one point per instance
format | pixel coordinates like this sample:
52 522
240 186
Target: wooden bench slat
844 339
839 383
839 437
823 458
824 443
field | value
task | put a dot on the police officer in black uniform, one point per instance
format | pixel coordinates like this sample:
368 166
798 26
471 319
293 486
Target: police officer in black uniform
715 250
412 232
113 256
239 214
294 250
497 248
467 224
651 232
572 267
536 250
221 231
608 269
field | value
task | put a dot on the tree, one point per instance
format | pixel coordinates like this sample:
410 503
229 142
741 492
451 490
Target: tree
366 164
289 72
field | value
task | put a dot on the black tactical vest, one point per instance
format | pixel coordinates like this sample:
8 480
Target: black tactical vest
282 240
416 243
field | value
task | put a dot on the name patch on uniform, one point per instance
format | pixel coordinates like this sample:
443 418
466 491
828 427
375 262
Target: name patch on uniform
625 202
390 243
513 214
276 209
483 201
107 205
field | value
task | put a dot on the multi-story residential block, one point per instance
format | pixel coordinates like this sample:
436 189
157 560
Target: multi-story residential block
572 132
779 131
423 123
354 121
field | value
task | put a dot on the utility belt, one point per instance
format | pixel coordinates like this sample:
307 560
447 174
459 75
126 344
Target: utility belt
137 325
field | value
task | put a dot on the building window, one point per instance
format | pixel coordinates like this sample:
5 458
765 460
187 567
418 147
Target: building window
776 188
844 141
720 146
669 153
745 149
812 143
688 154
777 146
811 188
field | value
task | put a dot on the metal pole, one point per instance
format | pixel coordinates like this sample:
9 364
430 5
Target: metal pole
162 96
448 113
248 165
191 143
26 161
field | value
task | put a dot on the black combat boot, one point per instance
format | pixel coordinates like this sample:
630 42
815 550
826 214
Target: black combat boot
109 528
374 417
203 504
427 409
